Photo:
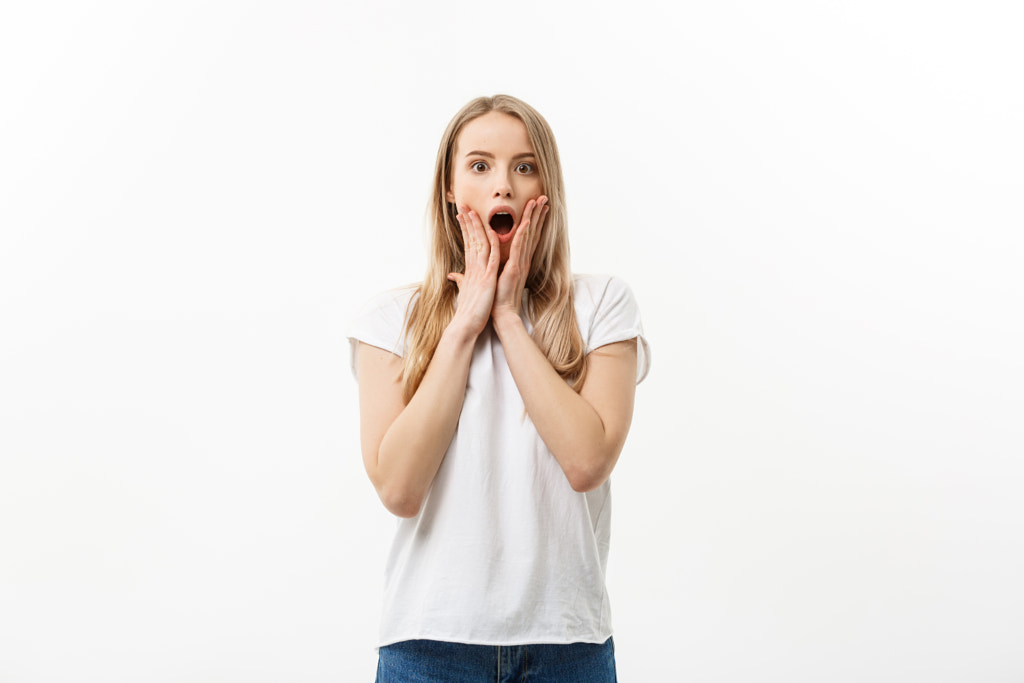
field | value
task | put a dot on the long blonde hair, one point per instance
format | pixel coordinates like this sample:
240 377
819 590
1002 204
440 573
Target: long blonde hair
549 284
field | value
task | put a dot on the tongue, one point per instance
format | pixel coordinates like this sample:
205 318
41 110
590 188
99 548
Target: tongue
501 223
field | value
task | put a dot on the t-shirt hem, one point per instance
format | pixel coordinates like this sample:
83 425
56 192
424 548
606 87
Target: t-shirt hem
498 642
378 343
644 352
621 336
354 341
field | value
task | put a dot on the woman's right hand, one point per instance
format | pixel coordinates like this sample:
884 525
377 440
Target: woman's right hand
478 284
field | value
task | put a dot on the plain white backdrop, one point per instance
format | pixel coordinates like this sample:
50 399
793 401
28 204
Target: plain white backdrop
818 206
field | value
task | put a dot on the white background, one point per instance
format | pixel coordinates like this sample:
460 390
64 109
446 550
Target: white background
818 206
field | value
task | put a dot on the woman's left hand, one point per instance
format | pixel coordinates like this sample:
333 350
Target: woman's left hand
508 298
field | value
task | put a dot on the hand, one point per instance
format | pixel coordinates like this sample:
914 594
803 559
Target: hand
508 297
477 285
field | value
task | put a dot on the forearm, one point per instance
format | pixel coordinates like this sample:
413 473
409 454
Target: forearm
570 427
413 447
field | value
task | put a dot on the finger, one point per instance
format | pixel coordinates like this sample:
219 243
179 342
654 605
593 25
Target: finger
478 229
538 233
478 237
456 278
532 233
539 214
515 248
539 206
474 242
524 228
461 216
494 258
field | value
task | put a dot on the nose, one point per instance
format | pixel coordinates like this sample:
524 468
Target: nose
502 185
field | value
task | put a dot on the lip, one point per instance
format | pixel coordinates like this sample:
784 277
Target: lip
504 208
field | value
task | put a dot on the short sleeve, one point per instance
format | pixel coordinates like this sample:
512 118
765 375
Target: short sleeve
380 323
608 313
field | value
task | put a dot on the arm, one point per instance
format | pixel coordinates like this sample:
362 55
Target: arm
403 445
585 432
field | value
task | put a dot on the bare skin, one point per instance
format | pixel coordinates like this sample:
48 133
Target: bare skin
403 445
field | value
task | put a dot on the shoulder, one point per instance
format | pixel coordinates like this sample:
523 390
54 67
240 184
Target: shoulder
594 292
381 320
390 300
607 312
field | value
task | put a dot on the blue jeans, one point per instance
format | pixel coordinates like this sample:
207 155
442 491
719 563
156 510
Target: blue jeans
431 661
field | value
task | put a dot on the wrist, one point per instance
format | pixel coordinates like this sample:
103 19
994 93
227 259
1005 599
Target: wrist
461 331
506 319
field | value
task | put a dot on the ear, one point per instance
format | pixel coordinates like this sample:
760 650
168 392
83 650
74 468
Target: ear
450 196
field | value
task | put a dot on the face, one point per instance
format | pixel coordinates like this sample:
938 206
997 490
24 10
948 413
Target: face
495 173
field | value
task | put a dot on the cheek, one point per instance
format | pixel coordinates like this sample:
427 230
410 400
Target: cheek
466 190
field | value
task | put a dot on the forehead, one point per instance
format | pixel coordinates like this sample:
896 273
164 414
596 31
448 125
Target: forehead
495 131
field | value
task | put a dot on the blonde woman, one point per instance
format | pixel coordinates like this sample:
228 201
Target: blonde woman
495 398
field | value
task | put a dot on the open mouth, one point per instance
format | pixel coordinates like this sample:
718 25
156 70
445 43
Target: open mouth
502 223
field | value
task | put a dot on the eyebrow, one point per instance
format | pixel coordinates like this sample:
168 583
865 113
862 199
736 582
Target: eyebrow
478 153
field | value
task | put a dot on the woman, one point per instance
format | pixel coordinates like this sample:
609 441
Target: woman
495 398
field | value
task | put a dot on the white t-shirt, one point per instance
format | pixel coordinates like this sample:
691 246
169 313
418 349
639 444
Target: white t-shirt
503 551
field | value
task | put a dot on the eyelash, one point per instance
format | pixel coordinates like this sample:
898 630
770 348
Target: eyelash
530 167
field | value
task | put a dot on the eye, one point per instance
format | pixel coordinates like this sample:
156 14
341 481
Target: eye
524 168
479 167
